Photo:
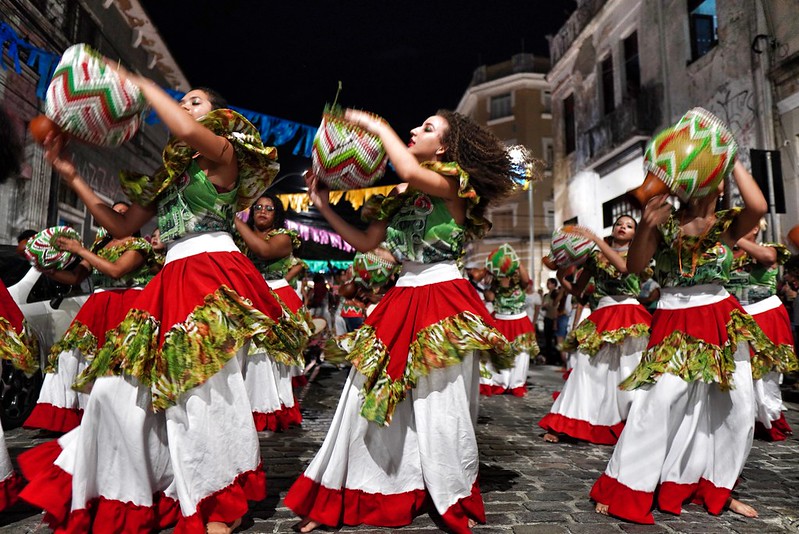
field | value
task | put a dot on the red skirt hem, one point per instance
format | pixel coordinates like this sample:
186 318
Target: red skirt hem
53 418
278 421
779 431
582 430
299 381
489 390
10 488
623 502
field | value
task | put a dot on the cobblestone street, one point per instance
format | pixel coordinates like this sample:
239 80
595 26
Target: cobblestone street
529 486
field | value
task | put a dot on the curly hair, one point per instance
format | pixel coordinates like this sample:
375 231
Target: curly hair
280 211
481 154
10 148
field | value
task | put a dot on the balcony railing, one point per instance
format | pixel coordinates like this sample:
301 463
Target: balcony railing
561 41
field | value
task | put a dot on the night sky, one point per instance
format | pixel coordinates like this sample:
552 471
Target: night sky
400 60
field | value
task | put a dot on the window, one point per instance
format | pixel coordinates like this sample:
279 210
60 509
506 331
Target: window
621 205
570 142
571 222
632 69
500 106
546 100
702 23
79 26
608 98
549 152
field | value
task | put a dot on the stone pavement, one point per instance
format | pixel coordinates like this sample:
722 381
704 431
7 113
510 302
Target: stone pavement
529 486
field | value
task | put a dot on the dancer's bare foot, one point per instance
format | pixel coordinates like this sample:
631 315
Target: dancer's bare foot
472 523
601 508
741 508
551 438
218 527
306 525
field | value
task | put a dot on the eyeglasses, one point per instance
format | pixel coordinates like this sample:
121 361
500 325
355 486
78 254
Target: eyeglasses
260 207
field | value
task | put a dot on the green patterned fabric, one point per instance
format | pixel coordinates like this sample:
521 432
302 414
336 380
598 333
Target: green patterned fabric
274 269
193 205
679 262
526 343
421 228
439 345
138 277
21 349
692 359
257 164
587 340
608 281
78 336
750 281
194 350
508 294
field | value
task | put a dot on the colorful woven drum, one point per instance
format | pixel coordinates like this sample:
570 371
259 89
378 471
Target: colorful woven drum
373 270
503 261
567 249
88 100
42 252
345 156
693 156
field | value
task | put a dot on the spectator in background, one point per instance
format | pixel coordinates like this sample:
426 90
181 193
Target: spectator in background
650 291
549 306
533 303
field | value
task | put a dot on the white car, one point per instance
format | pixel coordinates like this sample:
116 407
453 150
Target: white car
49 308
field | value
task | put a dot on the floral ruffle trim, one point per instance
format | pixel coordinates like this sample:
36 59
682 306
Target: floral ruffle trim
437 346
771 357
79 337
257 163
192 351
586 339
382 208
22 350
292 334
526 343
694 359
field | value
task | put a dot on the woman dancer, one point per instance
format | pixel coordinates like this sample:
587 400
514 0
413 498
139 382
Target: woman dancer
608 346
119 269
403 434
753 281
270 246
510 311
690 427
168 405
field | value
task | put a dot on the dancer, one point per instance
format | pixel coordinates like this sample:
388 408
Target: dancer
119 269
270 246
690 427
753 281
508 295
608 345
168 433
403 433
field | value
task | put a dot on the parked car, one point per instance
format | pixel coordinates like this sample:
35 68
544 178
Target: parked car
49 308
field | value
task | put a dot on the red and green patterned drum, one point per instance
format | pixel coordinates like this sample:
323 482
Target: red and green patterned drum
42 252
88 99
693 156
503 261
568 249
345 156
374 269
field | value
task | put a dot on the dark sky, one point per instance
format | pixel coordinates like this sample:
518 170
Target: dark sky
402 60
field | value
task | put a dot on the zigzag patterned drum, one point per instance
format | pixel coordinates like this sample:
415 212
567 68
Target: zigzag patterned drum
373 270
693 156
503 261
345 156
567 249
41 252
88 100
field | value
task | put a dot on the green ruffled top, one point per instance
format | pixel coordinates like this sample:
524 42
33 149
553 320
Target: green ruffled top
751 281
277 268
508 300
609 281
679 264
440 238
138 277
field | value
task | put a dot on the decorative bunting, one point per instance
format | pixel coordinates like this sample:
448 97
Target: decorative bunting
324 266
356 197
44 61
319 235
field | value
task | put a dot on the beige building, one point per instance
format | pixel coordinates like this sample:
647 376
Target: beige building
36 198
512 99
624 69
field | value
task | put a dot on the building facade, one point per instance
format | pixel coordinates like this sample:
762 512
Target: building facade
624 69
35 199
512 99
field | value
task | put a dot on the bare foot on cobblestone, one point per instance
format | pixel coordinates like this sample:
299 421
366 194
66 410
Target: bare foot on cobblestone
601 508
306 525
217 527
551 438
741 508
472 523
